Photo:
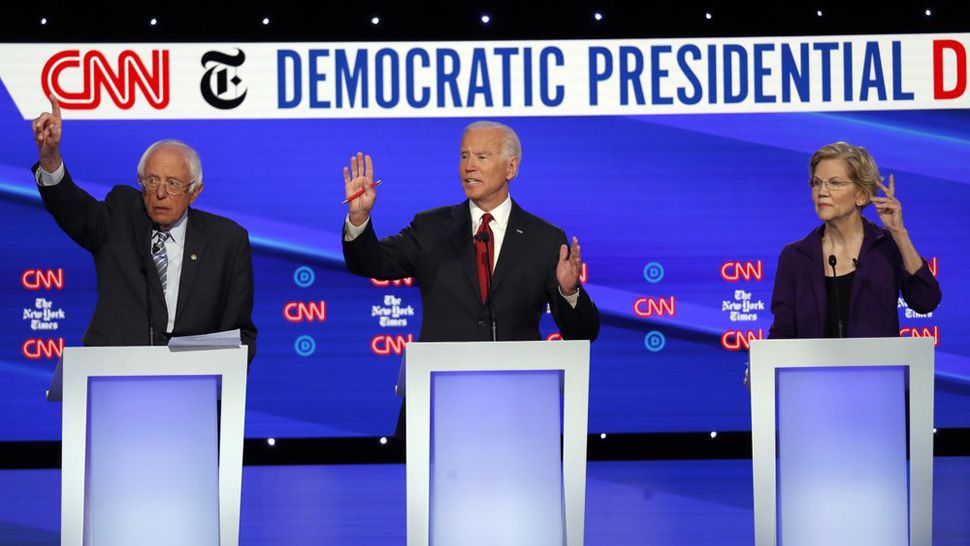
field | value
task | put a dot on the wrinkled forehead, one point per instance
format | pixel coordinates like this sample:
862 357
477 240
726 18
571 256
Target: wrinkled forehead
168 161
489 139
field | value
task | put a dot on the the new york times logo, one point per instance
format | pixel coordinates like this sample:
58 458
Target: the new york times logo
220 84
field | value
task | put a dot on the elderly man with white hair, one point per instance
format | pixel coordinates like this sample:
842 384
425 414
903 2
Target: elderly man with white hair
164 269
452 251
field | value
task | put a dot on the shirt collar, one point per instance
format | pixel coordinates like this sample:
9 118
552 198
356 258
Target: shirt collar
177 233
500 214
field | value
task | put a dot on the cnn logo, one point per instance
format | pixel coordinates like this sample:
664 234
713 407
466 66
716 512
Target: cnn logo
310 311
42 279
96 75
746 270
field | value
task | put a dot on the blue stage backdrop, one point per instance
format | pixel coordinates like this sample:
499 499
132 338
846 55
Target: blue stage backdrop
681 166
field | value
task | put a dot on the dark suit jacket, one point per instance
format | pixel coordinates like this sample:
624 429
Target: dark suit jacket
799 299
436 249
215 289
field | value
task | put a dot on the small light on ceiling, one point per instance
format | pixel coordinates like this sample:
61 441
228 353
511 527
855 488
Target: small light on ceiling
486 19
375 20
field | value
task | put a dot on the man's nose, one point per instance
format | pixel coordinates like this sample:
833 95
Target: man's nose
160 191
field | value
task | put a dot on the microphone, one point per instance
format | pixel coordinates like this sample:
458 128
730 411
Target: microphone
483 237
838 298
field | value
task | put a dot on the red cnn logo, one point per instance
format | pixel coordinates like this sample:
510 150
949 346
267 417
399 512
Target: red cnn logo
747 270
310 311
648 307
738 340
97 73
934 265
922 332
555 336
42 279
407 281
35 349
384 345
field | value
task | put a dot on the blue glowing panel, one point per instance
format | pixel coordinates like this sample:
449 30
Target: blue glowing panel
843 476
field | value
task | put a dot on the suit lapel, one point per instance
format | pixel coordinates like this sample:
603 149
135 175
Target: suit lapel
813 246
461 239
143 236
514 247
192 255
870 237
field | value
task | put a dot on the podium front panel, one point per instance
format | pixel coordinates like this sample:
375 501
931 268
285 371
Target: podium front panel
842 469
152 463
496 470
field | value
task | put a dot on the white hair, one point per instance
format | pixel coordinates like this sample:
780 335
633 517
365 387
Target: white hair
191 157
511 144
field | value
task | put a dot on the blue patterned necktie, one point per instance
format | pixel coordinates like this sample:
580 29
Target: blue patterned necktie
160 257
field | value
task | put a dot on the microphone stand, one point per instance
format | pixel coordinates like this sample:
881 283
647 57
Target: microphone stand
838 298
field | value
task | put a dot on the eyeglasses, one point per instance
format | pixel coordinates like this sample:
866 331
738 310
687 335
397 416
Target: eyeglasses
832 185
171 185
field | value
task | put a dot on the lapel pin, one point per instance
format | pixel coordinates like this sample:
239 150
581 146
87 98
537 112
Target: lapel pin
519 231
195 257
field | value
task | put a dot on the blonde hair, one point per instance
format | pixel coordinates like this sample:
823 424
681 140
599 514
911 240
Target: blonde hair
863 171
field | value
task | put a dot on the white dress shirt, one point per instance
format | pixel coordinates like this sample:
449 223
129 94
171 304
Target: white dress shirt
174 246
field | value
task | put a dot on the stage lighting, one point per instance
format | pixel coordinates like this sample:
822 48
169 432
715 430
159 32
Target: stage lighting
603 436
43 20
375 20
153 21
928 12
598 16
713 434
271 441
265 20
708 16
486 19
819 13
383 440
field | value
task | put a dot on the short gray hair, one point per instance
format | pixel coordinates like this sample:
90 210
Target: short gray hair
512 145
191 157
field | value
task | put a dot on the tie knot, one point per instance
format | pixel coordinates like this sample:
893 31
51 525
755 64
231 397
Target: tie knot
486 218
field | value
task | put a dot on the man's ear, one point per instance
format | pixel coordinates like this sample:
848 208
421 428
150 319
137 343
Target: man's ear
512 169
195 193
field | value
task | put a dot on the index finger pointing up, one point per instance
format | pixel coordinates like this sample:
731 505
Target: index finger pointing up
55 108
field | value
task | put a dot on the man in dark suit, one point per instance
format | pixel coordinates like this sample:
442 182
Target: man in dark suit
443 249
163 269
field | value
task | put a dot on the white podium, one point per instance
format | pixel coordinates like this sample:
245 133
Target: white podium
485 465
832 462
144 460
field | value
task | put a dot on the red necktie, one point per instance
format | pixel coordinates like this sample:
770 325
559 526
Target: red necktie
484 254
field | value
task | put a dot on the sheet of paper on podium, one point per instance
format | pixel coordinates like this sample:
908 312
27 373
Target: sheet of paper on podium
215 340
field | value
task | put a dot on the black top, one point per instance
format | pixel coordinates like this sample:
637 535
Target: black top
837 290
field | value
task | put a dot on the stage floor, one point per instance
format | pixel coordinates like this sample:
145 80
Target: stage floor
681 503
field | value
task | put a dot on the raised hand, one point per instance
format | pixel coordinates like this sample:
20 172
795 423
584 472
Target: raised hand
569 267
889 209
47 135
360 176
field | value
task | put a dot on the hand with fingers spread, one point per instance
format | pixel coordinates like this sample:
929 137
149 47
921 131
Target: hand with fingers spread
569 267
889 209
360 176
47 135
